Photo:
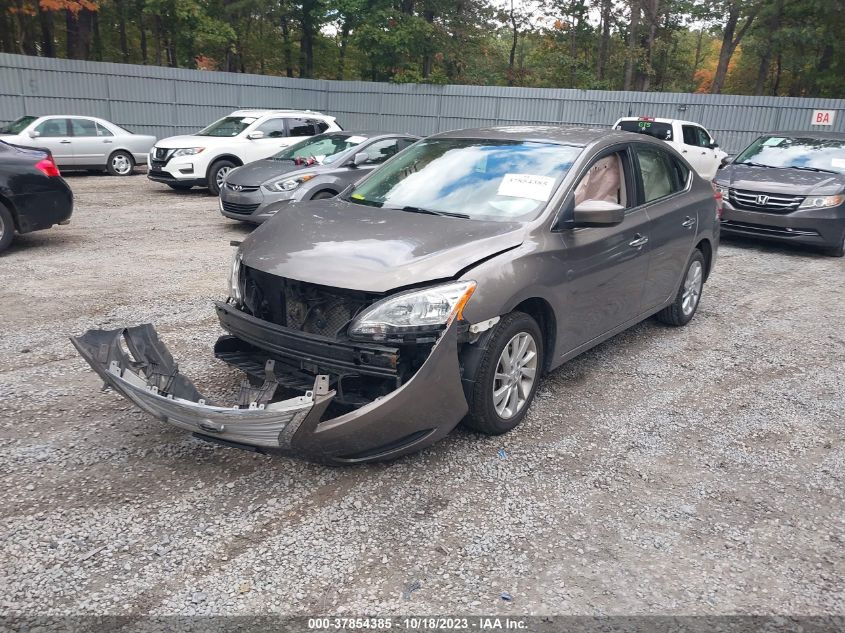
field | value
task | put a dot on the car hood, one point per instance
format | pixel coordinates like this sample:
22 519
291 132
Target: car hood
796 182
191 140
259 172
344 245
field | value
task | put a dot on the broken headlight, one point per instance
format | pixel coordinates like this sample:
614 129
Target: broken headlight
287 183
235 291
414 312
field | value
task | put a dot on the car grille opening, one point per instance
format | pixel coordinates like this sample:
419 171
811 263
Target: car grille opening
241 209
764 202
776 231
241 188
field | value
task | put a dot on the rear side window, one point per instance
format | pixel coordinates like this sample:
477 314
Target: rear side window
322 126
103 131
658 172
83 127
53 128
300 127
662 131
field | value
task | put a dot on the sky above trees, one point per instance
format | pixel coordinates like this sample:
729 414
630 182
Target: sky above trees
763 47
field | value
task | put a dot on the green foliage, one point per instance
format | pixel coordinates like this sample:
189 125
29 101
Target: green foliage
785 47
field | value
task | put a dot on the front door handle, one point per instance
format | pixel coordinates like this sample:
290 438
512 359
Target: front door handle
689 222
638 241
106 141
64 142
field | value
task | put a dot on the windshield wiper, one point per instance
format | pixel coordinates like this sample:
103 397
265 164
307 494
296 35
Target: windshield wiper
825 171
753 164
447 214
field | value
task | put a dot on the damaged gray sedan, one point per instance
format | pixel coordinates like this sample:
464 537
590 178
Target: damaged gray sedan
438 289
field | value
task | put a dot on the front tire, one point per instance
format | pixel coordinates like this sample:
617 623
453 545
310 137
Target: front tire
217 174
7 228
686 301
120 163
507 375
837 251
323 195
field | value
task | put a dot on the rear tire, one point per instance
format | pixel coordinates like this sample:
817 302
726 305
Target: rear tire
217 173
686 301
178 187
120 163
7 228
505 383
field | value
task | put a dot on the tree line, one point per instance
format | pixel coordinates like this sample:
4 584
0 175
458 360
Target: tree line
761 47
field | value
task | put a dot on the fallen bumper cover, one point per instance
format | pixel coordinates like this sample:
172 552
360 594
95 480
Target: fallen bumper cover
420 412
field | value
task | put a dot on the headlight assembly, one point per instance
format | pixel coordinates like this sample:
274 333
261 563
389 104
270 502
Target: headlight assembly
288 183
235 291
188 151
416 312
723 189
821 202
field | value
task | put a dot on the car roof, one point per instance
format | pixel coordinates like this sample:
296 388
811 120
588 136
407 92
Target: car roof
559 134
372 133
260 113
817 134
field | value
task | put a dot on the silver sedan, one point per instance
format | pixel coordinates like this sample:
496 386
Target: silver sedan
81 142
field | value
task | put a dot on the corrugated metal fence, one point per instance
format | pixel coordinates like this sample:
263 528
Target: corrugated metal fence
168 101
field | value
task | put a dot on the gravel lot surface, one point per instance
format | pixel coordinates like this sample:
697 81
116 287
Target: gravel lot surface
674 471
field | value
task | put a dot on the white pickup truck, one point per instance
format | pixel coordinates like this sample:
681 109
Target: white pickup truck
691 140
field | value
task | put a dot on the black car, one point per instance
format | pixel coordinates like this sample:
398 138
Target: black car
33 194
788 186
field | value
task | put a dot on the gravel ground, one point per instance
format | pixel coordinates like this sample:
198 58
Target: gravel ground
673 471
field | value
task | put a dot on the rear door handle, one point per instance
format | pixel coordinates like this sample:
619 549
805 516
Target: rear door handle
638 241
688 222
65 141
106 141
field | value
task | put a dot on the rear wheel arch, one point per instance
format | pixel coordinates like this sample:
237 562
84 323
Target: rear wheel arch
4 201
706 249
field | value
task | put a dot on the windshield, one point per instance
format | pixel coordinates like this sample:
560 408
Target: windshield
18 125
483 179
807 153
228 126
324 149
662 131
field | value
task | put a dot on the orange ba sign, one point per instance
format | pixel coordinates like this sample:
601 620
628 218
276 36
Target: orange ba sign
823 117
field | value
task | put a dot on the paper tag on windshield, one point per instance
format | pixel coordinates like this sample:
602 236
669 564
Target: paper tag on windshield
773 141
837 162
526 186
356 139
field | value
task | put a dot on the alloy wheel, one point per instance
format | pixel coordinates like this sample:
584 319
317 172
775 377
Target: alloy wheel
221 176
692 288
121 164
516 372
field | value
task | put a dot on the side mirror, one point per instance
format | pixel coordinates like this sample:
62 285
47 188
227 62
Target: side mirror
727 160
712 145
33 134
254 136
360 159
598 213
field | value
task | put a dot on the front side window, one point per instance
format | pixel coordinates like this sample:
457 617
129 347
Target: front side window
228 126
604 181
300 127
274 128
83 127
657 170
814 154
498 180
324 149
53 128
18 125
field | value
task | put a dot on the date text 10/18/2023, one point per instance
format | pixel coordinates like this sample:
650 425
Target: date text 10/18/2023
422 623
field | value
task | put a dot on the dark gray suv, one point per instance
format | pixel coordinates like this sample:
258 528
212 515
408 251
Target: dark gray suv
788 186
316 168
438 289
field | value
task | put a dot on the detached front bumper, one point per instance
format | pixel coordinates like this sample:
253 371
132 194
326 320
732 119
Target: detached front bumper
416 414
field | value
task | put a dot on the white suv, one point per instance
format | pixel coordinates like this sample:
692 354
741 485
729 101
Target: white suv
203 159
691 140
